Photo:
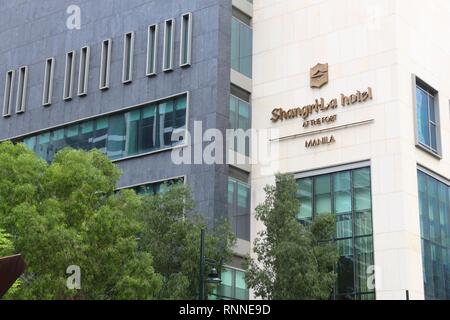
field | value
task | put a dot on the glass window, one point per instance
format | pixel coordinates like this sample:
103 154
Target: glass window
155 188
323 195
132 119
149 128
239 208
363 262
233 286
166 122
434 207
116 137
427 124
101 134
240 118
241 47
305 195
345 286
361 186
343 195
347 195
124 134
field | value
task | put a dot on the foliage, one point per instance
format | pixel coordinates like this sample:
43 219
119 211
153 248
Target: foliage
67 213
293 261
6 244
171 232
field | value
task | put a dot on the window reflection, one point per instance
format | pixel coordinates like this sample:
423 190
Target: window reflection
134 132
434 206
347 195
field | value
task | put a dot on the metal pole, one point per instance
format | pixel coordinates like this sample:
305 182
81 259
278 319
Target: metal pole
201 295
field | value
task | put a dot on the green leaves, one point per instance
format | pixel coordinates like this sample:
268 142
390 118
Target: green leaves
67 213
6 244
127 247
171 233
293 261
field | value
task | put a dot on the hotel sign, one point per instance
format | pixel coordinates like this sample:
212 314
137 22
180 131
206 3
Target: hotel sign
318 108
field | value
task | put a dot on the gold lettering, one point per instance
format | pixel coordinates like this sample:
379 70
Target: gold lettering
276 114
345 101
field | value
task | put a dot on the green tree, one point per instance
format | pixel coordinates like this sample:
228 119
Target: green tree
293 261
171 233
67 213
6 244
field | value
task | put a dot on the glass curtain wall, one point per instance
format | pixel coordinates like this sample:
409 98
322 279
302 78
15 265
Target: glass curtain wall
347 195
141 130
434 206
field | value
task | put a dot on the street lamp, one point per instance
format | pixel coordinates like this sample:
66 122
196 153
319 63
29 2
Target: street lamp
213 276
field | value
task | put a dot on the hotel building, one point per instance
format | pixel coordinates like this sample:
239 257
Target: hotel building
354 94
376 153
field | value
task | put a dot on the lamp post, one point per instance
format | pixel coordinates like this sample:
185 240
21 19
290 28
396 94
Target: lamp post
213 276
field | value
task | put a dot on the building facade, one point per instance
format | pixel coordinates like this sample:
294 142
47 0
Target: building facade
376 150
349 96
126 77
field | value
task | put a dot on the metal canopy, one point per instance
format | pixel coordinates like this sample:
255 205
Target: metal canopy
11 268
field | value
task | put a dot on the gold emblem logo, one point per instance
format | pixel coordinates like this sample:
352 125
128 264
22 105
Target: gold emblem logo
319 75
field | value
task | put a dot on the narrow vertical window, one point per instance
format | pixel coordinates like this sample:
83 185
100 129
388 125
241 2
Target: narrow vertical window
48 82
105 64
8 97
169 28
427 116
186 40
68 75
128 52
241 44
22 89
152 50
83 75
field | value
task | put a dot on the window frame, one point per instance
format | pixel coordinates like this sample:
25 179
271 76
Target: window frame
243 19
236 144
331 172
152 49
426 236
128 57
234 271
49 73
182 144
105 66
419 84
83 82
69 75
8 93
22 82
184 177
238 177
168 65
187 42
